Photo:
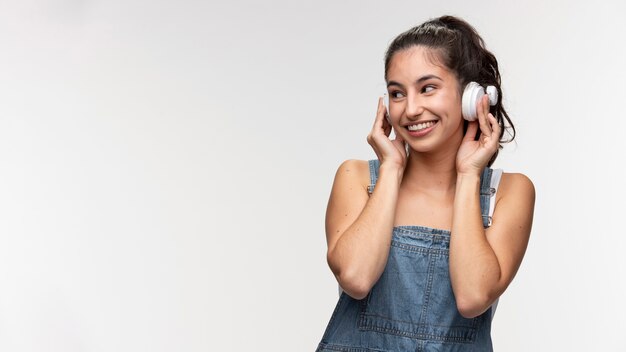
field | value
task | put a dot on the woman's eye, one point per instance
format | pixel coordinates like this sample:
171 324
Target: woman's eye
428 88
396 95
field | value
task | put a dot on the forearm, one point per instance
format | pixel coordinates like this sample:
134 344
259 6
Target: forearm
360 255
474 267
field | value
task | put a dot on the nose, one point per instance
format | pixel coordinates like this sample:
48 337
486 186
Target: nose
414 106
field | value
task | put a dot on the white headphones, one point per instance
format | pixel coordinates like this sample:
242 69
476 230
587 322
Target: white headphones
471 97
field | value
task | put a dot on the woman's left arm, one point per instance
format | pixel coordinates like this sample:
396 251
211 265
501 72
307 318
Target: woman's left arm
483 261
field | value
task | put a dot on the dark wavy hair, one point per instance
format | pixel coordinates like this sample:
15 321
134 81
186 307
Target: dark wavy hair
457 45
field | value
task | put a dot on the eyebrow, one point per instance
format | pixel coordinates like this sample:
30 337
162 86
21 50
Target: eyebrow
418 81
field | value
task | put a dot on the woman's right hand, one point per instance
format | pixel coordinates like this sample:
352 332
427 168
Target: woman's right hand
389 152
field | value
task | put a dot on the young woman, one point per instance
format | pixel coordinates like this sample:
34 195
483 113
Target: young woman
423 240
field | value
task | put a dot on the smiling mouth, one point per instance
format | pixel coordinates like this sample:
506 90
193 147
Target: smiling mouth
421 126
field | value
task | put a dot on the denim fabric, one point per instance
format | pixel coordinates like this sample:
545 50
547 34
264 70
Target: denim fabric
412 306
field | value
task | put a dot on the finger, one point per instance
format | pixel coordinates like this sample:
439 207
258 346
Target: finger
485 129
470 134
400 143
387 128
495 126
399 140
380 114
487 107
385 118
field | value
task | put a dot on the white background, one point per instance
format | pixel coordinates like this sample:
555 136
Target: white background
165 167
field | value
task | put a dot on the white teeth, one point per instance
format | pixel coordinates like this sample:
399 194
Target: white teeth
420 126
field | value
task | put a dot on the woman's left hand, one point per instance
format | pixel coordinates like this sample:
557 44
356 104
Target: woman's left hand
473 155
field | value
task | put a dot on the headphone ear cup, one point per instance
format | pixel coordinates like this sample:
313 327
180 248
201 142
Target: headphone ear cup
386 103
472 94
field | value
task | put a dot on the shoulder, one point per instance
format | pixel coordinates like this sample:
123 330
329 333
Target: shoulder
516 182
354 172
347 197
516 185
354 164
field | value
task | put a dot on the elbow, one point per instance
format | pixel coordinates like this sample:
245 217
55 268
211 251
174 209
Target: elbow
354 284
471 306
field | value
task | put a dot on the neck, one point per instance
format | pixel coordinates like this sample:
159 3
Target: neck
433 171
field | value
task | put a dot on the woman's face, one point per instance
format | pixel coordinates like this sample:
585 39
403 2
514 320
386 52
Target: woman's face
424 100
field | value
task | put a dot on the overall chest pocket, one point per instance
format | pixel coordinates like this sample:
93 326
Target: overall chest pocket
413 298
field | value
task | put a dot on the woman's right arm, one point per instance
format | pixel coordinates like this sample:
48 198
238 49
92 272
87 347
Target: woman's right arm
358 226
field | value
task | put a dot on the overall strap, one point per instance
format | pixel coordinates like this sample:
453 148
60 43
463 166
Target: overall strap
490 179
485 195
374 166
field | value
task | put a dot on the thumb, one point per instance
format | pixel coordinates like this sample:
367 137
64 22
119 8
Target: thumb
400 142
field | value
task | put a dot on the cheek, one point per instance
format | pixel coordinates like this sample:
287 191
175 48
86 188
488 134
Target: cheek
456 113
450 106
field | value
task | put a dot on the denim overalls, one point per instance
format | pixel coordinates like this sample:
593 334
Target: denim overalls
411 307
